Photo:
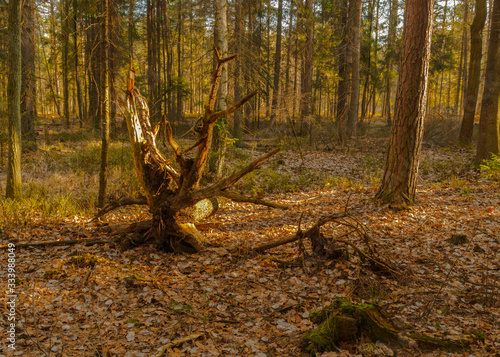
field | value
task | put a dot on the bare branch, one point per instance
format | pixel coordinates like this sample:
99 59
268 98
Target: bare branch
240 198
126 201
196 144
215 190
231 110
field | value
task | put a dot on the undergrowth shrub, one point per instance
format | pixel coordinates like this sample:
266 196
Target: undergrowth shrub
491 167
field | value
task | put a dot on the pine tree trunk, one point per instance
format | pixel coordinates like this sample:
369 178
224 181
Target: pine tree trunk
13 187
354 29
488 142
77 64
277 64
65 64
28 84
476 55
105 109
307 69
401 171
343 86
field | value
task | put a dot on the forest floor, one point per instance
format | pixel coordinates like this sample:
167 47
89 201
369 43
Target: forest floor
104 300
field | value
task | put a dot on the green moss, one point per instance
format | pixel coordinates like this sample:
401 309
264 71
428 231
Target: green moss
345 321
83 261
428 343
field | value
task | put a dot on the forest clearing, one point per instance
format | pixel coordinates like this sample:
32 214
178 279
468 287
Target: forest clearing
250 178
112 300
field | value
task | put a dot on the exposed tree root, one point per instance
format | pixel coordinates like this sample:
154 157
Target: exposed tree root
326 249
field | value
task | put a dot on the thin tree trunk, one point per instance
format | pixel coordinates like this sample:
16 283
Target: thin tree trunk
103 173
476 54
343 86
277 64
65 64
28 84
488 142
13 187
354 29
237 129
307 69
77 64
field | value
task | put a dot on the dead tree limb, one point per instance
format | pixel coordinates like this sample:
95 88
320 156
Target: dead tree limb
51 243
126 201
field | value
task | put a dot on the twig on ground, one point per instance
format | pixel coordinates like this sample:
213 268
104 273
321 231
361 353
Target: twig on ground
179 341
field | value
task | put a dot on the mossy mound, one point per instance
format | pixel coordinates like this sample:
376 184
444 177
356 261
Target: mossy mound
345 321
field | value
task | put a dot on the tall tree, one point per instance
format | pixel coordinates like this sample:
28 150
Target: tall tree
488 142
105 107
354 36
28 84
237 127
390 56
65 63
221 43
13 187
401 170
307 67
343 73
277 63
476 55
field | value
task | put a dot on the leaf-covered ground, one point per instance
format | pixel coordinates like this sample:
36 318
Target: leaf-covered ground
101 300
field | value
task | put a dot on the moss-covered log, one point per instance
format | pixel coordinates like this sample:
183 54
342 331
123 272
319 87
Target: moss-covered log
345 321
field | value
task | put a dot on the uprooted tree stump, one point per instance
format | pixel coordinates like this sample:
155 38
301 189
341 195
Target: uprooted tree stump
172 192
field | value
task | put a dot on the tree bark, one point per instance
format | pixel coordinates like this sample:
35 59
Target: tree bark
28 84
489 131
354 28
65 63
343 86
476 54
277 64
13 187
237 127
401 170
103 173
307 68
390 56
221 43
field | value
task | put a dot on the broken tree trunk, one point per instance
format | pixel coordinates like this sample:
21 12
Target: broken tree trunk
170 192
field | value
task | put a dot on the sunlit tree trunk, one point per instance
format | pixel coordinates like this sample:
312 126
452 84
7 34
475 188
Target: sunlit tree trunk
237 128
488 142
28 84
13 187
65 63
401 171
277 63
354 29
103 174
307 68
476 55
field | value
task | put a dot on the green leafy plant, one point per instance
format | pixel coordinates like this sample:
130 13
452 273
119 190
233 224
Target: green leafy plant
491 167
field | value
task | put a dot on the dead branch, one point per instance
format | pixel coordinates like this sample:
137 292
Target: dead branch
126 201
231 110
215 190
307 234
51 243
179 341
240 198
